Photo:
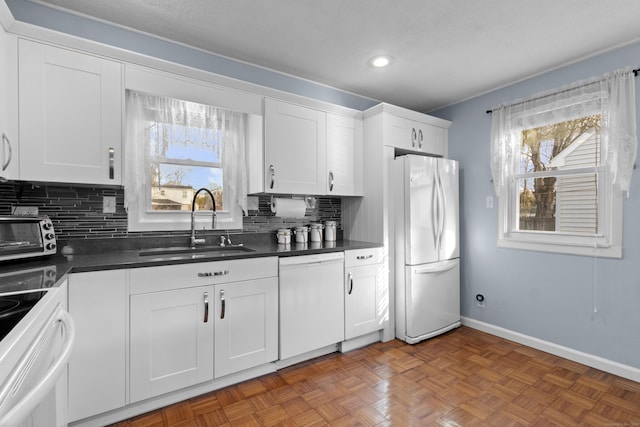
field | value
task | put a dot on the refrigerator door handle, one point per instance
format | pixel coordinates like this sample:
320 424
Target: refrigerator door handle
436 269
434 212
443 211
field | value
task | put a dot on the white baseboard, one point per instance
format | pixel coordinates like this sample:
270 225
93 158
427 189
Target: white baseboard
597 362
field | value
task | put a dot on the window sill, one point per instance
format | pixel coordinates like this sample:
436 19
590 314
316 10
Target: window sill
611 251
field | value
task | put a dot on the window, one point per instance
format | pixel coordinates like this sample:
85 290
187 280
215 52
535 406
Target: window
561 163
174 148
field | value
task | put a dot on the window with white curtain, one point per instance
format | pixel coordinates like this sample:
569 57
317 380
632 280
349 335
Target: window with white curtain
175 147
561 162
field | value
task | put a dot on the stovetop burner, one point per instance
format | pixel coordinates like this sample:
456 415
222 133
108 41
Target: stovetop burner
19 293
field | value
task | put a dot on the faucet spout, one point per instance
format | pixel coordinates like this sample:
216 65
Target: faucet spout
195 241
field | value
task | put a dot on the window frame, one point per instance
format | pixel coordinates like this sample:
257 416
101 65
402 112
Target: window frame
607 242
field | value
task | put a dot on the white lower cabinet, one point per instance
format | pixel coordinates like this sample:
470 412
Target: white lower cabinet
98 306
363 307
246 325
171 341
191 323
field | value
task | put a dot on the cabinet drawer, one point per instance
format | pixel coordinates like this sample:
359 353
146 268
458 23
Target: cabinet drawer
152 279
358 257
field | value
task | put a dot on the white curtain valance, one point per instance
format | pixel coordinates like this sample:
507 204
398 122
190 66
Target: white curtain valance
143 109
612 95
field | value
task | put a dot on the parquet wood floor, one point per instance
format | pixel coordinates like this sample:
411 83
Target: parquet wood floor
462 378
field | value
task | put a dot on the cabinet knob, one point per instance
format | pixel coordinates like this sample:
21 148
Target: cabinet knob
414 137
350 279
330 180
361 257
420 138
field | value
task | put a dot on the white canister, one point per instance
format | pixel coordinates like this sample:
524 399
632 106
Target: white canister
284 236
315 232
302 234
330 231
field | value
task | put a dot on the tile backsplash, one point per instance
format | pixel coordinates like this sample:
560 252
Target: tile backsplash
76 211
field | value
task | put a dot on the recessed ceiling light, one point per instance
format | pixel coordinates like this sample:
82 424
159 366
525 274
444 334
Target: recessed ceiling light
380 61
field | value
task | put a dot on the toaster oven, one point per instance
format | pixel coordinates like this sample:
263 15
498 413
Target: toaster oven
25 237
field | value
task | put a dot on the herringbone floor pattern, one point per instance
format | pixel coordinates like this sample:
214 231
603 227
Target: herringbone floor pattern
462 378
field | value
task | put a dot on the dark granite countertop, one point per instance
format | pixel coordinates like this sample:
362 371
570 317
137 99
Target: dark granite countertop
89 256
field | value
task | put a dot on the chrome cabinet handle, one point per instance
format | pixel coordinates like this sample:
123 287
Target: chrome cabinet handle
111 162
5 141
215 273
330 180
420 138
223 304
414 136
350 279
273 176
205 296
361 257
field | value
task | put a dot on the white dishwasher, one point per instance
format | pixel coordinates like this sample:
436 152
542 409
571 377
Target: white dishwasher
311 302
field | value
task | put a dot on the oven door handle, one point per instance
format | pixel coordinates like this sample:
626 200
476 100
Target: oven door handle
21 410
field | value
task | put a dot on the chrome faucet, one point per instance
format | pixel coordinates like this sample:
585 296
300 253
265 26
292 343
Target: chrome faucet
195 241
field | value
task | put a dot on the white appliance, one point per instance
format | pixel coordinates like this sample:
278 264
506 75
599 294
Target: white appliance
311 303
427 253
34 349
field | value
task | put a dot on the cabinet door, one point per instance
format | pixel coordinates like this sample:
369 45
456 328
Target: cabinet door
431 139
416 136
295 149
403 133
8 104
70 116
246 325
344 156
363 313
171 341
97 303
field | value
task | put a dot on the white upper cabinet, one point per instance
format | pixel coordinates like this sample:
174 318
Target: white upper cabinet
417 136
344 155
70 116
308 151
295 149
8 104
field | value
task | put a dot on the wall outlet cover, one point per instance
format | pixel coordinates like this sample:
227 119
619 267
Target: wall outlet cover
109 204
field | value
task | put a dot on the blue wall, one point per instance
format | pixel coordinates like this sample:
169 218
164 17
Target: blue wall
590 305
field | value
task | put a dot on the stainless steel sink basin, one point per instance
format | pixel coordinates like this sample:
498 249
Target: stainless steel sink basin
188 253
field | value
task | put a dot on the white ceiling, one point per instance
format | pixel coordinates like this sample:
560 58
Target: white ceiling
445 50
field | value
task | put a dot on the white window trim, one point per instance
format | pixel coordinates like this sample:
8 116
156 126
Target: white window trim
606 244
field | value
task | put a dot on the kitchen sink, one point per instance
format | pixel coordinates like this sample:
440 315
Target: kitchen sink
175 253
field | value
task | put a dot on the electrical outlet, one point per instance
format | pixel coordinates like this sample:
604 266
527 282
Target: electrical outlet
24 210
489 202
109 204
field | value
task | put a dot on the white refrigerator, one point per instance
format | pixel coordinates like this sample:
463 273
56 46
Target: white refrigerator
426 246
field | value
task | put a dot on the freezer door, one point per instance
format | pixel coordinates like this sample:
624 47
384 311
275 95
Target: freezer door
420 210
449 230
432 299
